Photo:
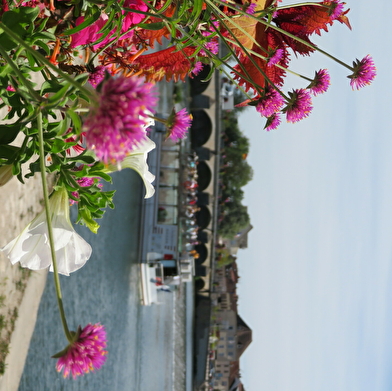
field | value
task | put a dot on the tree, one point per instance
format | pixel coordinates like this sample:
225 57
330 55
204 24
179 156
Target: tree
238 174
235 173
235 219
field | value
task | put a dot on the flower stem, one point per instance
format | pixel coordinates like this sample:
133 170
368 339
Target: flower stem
266 59
246 52
162 121
50 228
282 7
314 47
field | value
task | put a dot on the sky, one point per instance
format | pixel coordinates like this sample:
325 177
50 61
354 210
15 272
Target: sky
316 280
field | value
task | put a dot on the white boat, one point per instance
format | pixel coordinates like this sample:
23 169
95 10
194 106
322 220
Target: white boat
151 279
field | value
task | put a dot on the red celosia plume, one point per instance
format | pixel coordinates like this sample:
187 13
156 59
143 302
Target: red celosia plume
301 21
307 19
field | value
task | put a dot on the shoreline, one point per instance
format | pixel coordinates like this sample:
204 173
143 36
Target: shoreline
24 328
20 289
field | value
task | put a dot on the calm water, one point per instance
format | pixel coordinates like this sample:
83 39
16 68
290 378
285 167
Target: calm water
143 353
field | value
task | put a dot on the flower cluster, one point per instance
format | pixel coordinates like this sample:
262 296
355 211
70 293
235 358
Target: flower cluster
364 72
178 124
118 123
83 182
85 354
91 114
320 83
97 75
299 106
270 103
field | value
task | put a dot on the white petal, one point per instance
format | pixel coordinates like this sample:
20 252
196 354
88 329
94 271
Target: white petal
147 145
37 254
137 160
31 248
73 256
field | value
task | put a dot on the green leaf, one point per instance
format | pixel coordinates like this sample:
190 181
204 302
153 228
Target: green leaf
86 159
82 78
27 14
41 25
152 26
43 46
31 59
85 217
59 145
8 133
44 35
62 353
16 169
83 25
17 20
8 152
59 95
50 86
210 74
76 121
196 11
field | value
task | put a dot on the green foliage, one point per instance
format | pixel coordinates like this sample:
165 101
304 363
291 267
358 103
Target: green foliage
236 218
3 322
235 174
57 101
224 258
4 350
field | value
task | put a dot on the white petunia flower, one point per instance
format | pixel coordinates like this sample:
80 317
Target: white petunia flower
31 248
137 160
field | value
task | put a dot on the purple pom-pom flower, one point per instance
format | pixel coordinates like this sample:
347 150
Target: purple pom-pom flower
118 122
299 105
86 353
364 72
320 83
178 124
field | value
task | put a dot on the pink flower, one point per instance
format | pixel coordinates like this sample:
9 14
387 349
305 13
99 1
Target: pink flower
4 7
336 8
85 354
275 57
132 18
97 75
210 29
178 124
84 182
212 46
270 103
272 122
197 68
90 33
33 4
364 72
251 9
299 105
320 83
118 123
78 148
